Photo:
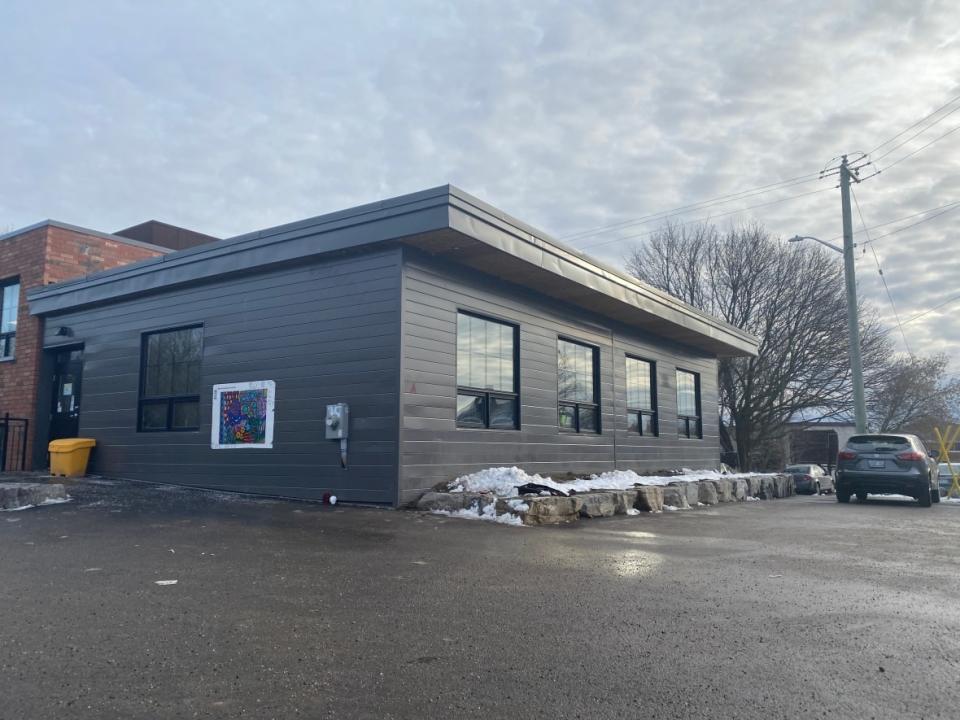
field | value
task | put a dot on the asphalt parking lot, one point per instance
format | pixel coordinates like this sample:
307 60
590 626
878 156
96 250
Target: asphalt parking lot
790 608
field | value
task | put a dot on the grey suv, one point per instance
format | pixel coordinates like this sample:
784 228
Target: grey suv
888 463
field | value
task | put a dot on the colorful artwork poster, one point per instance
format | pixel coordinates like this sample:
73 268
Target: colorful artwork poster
243 415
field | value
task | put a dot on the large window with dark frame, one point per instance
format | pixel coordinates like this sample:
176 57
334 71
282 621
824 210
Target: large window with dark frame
170 380
641 397
9 305
689 422
487 382
578 405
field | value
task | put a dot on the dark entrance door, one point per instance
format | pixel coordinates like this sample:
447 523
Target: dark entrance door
67 386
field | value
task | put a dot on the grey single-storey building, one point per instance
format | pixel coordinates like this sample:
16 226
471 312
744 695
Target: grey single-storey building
456 337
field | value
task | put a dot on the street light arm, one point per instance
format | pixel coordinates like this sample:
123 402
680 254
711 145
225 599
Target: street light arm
798 238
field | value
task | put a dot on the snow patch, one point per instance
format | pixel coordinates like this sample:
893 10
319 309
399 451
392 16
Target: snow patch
670 508
488 513
48 501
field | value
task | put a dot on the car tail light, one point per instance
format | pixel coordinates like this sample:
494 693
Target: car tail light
910 455
806 477
847 455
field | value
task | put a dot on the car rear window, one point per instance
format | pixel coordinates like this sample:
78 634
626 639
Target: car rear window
879 443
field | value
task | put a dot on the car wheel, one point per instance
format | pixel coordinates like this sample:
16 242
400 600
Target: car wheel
935 494
843 497
925 499
861 497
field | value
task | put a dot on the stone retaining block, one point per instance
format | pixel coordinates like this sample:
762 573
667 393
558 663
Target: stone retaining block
676 497
707 492
649 498
598 504
691 489
552 510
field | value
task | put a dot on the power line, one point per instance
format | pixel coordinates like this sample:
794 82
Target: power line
953 207
922 147
705 219
925 117
719 200
933 309
919 132
883 279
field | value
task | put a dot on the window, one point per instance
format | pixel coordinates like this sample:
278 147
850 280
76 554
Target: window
170 380
641 397
688 405
579 403
9 304
487 387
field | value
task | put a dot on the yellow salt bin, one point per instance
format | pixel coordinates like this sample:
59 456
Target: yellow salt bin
69 457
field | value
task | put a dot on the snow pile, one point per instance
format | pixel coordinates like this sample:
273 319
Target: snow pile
488 513
503 481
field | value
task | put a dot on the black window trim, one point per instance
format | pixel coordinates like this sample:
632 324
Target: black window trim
5 337
650 412
486 393
696 420
168 400
595 405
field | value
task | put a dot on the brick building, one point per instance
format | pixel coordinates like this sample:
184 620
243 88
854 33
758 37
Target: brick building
41 254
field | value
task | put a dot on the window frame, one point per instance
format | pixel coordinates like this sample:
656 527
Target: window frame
576 404
8 340
169 400
487 393
640 412
695 420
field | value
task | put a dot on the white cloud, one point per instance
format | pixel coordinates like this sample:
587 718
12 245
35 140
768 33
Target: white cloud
232 116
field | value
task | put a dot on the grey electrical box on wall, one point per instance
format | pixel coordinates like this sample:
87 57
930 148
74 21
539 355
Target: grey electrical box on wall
338 421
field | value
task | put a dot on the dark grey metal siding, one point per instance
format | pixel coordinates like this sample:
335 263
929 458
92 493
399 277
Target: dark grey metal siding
324 331
432 448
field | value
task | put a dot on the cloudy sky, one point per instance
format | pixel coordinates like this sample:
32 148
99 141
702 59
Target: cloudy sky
231 116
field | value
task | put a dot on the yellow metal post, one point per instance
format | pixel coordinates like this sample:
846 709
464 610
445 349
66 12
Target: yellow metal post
946 440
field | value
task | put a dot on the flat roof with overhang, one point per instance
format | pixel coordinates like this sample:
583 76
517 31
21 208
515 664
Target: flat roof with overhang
443 221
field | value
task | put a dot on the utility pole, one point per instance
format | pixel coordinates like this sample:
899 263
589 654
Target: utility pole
853 323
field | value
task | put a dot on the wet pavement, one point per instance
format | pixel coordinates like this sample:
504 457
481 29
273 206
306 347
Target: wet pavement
790 608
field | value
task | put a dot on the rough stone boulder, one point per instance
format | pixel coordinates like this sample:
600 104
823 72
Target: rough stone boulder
740 489
16 495
649 498
784 485
626 500
724 490
553 510
598 504
755 484
675 497
768 488
707 492
691 489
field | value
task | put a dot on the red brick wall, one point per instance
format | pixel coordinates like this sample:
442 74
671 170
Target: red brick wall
42 256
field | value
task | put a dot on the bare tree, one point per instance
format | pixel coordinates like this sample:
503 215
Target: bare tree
790 296
915 394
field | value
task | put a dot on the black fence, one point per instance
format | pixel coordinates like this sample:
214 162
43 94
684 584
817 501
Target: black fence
13 443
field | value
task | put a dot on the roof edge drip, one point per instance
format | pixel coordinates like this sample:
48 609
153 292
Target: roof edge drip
400 220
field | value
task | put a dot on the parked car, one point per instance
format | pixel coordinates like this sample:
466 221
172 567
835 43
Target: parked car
810 478
946 477
887 463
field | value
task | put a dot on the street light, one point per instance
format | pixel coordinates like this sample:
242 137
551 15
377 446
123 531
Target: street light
798 238
853 326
